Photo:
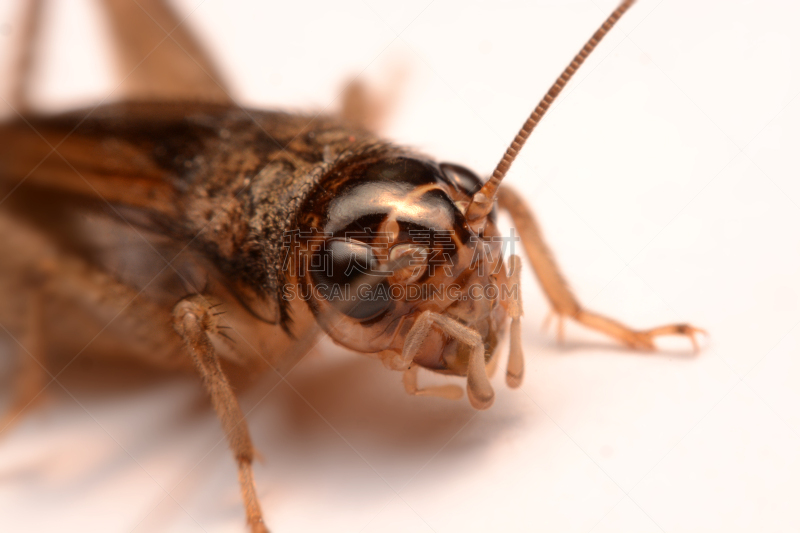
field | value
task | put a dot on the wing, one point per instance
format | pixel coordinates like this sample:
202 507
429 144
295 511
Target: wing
94 158
184 172
107 187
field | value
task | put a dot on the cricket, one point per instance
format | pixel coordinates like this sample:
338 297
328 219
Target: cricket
182 231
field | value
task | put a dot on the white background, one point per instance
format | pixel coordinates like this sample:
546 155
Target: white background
666 180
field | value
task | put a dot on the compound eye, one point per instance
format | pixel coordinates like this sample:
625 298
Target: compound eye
350 259
462 177
351 279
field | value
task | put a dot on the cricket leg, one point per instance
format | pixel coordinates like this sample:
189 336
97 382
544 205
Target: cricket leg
22 73
159 57
32 378
194 321
367 107
562 300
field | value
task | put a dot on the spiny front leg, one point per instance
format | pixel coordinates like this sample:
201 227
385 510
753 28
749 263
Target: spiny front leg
194 321
641 340
563 302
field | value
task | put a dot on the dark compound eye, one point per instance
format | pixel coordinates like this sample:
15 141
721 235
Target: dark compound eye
462 177
351 279
349 260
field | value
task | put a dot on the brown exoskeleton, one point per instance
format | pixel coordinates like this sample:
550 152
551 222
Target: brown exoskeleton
180 223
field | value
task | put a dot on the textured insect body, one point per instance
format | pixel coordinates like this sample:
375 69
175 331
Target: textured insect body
211 188
208 236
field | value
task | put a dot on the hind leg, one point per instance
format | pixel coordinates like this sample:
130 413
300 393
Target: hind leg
159 57
369 107
32 378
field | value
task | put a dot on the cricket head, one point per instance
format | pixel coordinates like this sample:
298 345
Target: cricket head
391 265
401 257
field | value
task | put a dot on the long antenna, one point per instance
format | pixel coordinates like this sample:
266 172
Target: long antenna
482 202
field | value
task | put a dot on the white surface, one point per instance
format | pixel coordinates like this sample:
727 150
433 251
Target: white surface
666 181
